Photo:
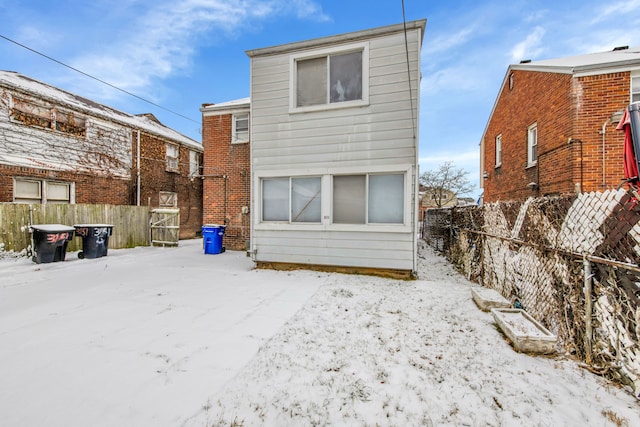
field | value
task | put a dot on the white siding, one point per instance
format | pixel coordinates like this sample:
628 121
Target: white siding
106 148
379 136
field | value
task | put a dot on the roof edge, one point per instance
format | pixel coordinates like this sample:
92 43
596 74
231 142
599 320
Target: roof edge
339 38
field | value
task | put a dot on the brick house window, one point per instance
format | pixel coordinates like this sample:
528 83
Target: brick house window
240 128
194 163
172 158
499 150
330 78
31 114
168 199
42 191
532 145
635 88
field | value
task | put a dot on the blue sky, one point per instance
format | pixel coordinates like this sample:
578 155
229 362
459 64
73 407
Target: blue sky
181 54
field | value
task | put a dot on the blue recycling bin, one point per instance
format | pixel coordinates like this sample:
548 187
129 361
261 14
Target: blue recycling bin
212 235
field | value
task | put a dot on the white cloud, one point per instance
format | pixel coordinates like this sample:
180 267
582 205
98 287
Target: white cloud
617 9
162 41
530 47
446 42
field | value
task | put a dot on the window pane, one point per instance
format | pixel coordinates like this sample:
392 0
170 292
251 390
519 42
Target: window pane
311 87
635 84
386 199
305 200
57 192
349 199
275 199
27 190
346 77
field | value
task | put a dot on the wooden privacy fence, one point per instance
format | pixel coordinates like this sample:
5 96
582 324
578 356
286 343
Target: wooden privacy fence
130 223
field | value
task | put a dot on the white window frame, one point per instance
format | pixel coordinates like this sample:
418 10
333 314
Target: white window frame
634 96
499 150
327 199
237 136
363 47
172 161
532 145
289 205
43 191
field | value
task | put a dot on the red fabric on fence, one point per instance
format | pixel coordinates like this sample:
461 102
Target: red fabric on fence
629 156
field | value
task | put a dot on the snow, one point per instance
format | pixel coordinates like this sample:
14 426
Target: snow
173 337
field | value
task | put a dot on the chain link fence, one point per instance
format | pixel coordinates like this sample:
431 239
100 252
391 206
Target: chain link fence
571 262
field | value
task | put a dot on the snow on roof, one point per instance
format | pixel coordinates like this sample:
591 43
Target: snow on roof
228 105
12 79
623 56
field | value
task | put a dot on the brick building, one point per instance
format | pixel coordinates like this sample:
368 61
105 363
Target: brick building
552 127
57 147
226 172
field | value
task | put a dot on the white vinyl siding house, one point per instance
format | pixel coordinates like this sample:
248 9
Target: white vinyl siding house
334 167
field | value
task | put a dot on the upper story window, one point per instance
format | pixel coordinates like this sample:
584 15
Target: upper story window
240 128
172 158
31 113
532 145
36 114
68 122
194 163
499 150
330 78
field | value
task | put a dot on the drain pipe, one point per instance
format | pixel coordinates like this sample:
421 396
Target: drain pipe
138 172
603 132
588 310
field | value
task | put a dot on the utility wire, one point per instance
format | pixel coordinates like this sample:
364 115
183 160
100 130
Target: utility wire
97 79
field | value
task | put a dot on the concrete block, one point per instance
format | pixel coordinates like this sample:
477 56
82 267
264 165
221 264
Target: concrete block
486 298
525 333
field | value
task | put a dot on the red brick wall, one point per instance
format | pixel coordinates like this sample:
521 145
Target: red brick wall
154 178
598 97
564 108
226 185
88 188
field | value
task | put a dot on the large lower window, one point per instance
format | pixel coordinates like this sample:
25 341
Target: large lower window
291 199
368 199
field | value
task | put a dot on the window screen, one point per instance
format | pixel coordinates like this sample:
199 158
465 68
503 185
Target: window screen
346 77
311 87
305 199
386 199
275 199
349 199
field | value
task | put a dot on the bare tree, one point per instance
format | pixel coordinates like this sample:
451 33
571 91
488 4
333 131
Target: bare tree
445 182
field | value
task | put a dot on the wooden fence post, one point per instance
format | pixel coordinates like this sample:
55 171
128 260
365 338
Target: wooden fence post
588 310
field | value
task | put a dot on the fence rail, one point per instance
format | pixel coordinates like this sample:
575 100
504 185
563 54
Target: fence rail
130 223
571 262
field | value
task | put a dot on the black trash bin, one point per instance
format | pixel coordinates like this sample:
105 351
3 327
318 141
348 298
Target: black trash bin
95 239
50 242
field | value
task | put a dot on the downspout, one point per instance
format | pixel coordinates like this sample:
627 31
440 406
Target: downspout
604 131
138 171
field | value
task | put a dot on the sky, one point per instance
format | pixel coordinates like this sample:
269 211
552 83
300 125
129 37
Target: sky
182 54
169 337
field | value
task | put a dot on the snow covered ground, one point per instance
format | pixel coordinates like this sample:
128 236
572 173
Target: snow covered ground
173 337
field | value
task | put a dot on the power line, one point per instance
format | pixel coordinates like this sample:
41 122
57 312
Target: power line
97 79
